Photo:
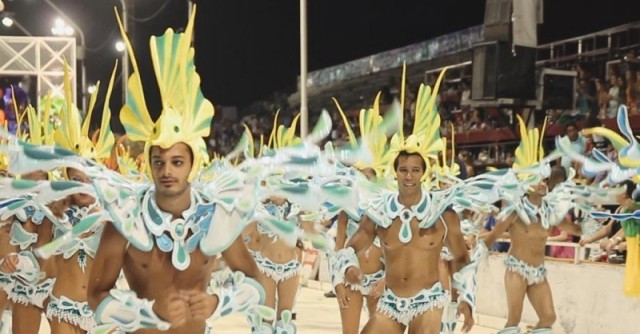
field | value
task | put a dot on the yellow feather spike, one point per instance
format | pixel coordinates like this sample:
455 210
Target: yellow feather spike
138 120
250 143
347 125
92 103
16 110
69 133
541 149
272 136
530 150
106 140
285 136
260 151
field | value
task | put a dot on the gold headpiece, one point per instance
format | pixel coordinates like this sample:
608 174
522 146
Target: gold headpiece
283 136
372 134
39 130
186 114
425 137
443 169
73 133
530 151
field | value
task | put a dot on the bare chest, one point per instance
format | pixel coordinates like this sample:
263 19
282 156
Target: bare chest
533 231
156 268
421 238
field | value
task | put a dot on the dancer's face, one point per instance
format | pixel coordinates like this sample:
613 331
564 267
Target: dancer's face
409 172
540 189
170 169
80 200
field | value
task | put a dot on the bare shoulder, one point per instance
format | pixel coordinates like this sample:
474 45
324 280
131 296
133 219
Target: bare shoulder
112 237
367 224
451 217
511 219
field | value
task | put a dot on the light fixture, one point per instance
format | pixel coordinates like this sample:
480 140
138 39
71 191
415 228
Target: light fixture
120 46
61 28
7 21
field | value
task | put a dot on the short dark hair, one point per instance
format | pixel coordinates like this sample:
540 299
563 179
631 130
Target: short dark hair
570 124
630 188
558 172
405 153
558 175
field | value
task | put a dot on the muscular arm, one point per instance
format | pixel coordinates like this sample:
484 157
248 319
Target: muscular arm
603 232
107 265
45 235
364 237
498 230
251 232
341 234
455 241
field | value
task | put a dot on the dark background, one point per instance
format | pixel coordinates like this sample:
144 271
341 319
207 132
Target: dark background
248 49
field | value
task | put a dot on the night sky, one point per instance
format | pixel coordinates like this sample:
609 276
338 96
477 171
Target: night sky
247 49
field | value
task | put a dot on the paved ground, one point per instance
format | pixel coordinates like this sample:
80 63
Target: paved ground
317 314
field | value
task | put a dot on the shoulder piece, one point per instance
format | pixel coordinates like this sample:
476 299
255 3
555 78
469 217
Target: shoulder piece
122 200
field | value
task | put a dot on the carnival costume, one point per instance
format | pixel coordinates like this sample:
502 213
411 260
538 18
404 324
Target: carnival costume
221 203
383 208
26 286
626 168
373 128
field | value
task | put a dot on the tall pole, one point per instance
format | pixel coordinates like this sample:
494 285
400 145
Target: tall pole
304 112
125 54
81 53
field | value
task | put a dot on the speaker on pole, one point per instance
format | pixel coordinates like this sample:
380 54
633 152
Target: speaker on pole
500 70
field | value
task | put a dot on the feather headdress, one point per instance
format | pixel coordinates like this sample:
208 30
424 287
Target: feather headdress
186 114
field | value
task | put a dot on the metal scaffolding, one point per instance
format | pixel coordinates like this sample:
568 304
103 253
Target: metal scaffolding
41 57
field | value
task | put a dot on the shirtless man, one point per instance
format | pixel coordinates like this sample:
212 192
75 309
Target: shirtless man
165 236
371 262
18 238
413 296
181 302
526 274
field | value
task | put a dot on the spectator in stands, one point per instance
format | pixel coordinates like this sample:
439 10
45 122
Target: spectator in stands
477 122
467 162
499 246
463 169
578 144
603 98
630 91
594 141
465 97
562 252
610 234
584 100
614 96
